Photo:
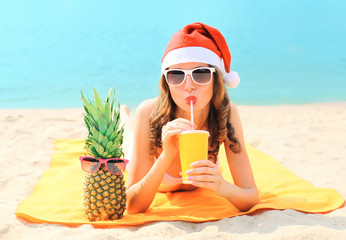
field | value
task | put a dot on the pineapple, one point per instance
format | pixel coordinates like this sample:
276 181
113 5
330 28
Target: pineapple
104 193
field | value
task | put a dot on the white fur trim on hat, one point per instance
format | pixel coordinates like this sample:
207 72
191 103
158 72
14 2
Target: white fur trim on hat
232 79
199 54
191 54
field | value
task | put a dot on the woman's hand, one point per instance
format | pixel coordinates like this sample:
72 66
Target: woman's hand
206 174
170 133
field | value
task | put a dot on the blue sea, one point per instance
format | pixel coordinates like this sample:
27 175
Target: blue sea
286 52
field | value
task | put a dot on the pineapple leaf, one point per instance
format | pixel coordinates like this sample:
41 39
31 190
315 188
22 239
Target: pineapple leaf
102 125
113 103
108 146
119 137
111 129
109 95
112 147
86 109
87 123
104 141
94 143
99 138
100 149
91 151
91 101
116 113
113 136
89 108
94 152
98 102
102 120
118 152
116 118
95 134
107 113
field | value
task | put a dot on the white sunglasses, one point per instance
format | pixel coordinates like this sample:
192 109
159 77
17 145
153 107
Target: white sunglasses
200 75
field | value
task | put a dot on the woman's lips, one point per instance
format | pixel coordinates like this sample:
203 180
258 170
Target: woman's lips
191 98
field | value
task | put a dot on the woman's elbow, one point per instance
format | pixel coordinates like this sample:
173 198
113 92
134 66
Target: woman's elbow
249 205
252 201
134 206
130 209
136 202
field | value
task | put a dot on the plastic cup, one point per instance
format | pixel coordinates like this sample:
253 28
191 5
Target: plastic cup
193 146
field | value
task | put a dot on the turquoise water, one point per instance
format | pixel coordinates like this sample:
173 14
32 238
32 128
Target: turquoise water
285 51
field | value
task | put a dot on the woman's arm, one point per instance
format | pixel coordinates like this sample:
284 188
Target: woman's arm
145 174
243 194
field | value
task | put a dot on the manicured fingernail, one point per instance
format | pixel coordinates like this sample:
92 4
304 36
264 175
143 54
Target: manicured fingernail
188 172
188 178
187 182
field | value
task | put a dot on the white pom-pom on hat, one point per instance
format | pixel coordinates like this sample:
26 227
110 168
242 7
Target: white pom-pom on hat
198 42
231 79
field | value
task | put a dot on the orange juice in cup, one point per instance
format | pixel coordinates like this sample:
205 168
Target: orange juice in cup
193 146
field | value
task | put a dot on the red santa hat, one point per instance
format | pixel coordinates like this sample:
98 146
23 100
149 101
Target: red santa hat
198 42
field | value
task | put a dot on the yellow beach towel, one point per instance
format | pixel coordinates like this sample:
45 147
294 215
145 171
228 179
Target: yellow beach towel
57 197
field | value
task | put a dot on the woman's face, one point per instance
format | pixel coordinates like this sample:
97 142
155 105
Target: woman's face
203 93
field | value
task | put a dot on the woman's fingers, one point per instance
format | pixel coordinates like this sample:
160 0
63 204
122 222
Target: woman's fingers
202 170
202 178
171 133
175 127
179 123
202 167
204 174
201 163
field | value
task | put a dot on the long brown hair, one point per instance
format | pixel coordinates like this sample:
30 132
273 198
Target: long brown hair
219 125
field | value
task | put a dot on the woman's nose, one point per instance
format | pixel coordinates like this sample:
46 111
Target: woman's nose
189 84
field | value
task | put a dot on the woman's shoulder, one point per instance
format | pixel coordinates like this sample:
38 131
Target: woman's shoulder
145 108
234 109
142 119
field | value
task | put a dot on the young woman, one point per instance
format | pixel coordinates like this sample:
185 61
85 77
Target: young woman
196 63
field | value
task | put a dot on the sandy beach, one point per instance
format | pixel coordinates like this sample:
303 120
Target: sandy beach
308 139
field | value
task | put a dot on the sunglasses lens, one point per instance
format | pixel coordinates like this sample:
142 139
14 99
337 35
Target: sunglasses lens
116 166
175 77
90 164
202 75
